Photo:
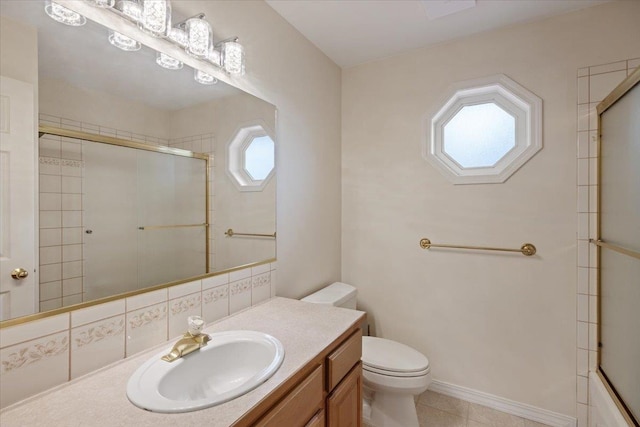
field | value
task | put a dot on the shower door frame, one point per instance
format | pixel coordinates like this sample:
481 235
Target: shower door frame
623 88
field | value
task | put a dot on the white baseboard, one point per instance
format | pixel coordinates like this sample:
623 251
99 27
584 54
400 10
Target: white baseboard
522 410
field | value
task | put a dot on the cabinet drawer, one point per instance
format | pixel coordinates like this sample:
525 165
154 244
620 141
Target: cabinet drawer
299 406
340 362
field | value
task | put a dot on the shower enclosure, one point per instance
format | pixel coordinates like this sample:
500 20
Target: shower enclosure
133 215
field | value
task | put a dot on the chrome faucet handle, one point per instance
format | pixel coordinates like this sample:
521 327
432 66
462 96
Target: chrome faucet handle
196 323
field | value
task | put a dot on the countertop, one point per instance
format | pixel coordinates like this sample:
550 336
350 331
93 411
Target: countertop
99 398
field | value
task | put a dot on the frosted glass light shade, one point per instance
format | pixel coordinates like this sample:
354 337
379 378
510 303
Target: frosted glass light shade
179 36
233 58
131 9
63 15
204 78
123 42
479 135
165 61
102 3
199 37
156 17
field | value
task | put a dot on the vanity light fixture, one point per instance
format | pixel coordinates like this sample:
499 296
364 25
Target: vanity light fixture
179 36
156 17
233 57
165 61
198 35
101 3
63 15
132 10
204 78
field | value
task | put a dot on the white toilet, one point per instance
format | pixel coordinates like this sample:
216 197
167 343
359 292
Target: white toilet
393 373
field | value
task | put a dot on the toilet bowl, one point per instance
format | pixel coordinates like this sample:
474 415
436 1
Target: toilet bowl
393 373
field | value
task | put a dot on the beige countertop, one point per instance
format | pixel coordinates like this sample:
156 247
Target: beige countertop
100 399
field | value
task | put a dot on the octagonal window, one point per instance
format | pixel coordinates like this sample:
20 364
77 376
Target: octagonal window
259 157
251 157
479 135
485 131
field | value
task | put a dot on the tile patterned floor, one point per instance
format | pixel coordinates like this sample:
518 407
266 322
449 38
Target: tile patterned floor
438 410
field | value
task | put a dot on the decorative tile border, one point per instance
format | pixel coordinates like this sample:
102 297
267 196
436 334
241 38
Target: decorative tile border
149 318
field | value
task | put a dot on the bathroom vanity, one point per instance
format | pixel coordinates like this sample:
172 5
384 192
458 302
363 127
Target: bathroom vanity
318 384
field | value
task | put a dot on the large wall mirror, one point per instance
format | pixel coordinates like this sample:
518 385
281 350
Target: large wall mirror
130 167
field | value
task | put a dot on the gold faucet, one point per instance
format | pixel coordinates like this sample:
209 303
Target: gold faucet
191 341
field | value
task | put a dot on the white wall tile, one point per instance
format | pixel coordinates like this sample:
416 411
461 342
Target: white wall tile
50 201
146 299
583 280
583 415
582 390
593 309
593 116
71 253
50 272
51 237
260 269
50 219
593 144
215 303
72 218
602 84
583 308
96 345
50 184
583 90
593 336
274 281
583 117
593 198
145 328
593 360
70 299
71 150
50 255
593 281
44 361
583 171
593 171
51 304
607 68
71 269
71 236
239 295
97 312
583 253
582 335
583 226
72 286
239 275
261 287
49 148
179 311
583 199
583 144
215 281
593 226
583 362
71 184
71 202
50 290
184 289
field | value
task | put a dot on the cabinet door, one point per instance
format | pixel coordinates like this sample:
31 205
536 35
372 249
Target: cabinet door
344 405
317 420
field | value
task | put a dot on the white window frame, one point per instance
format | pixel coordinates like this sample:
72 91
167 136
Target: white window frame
242 138
516 100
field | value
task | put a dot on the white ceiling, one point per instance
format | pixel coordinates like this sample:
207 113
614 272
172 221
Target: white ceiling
352 32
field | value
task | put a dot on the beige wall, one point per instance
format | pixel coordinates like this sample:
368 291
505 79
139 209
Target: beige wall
19 50
502 324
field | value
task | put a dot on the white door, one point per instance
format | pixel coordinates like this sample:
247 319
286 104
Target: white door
17 198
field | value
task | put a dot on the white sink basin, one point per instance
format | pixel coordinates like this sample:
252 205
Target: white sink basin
230 365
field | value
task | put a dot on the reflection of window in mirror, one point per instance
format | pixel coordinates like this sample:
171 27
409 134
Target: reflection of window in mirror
485 131
251 157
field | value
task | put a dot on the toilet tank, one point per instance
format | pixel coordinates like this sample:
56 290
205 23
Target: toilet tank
337 294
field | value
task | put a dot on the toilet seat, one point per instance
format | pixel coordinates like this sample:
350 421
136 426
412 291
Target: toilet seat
391 358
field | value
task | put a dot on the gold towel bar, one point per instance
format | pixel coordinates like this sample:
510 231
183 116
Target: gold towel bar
618 249
232 233
156 227
526 249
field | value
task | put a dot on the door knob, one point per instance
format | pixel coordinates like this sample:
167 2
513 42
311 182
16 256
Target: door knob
19 273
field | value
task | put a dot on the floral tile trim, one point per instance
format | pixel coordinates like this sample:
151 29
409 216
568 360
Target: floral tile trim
241 286
184 304
216 294
262 280
100 332
35 353
152 315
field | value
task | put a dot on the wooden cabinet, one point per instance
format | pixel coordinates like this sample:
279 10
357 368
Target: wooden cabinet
344 404
326 393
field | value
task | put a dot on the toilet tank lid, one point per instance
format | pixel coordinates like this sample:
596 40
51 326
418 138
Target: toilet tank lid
335 294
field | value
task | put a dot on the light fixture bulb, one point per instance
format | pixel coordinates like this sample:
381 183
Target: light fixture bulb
131 9
165 61
233 57
123 42
199 37
204 78
63 15
179 36
156 17
101 3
